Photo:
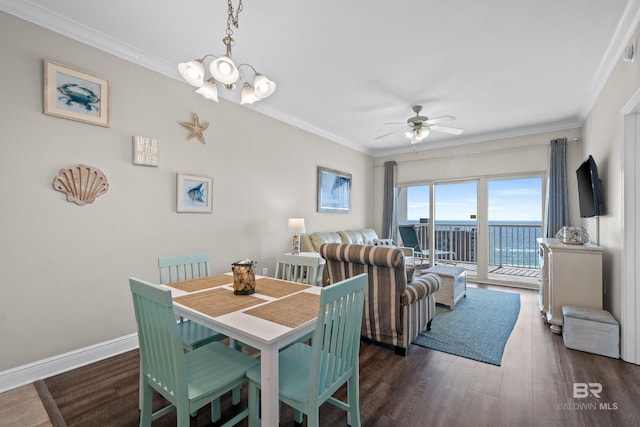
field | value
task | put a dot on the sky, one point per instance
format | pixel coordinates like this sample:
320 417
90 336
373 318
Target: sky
509 200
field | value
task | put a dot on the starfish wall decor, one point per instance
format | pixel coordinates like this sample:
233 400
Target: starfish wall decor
195 128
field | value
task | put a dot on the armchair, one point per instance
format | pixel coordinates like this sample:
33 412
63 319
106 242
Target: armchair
396 309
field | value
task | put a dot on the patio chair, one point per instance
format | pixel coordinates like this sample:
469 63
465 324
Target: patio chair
410 239
310 374
189 380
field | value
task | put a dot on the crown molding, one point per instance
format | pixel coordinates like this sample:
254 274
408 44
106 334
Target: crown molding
35 14
626 27
74 30
484 137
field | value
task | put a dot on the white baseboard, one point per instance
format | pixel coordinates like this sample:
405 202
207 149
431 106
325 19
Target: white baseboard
27 374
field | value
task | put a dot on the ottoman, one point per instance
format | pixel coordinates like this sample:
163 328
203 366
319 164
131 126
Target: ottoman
590 329
454 284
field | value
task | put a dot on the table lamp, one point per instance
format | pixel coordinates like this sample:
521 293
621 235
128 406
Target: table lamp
296 227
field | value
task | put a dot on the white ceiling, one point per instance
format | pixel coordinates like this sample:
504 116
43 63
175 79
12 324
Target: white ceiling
345 68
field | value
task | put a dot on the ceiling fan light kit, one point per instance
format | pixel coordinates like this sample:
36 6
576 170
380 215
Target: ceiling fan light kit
224 71
419 127
416 135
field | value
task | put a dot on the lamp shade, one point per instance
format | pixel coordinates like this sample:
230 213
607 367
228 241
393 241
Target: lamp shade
209 90
296 225
263 86
192 72
417 135
224 70
248 94
422 134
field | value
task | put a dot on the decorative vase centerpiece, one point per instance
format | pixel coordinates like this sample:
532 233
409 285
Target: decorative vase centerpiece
573 235
244 277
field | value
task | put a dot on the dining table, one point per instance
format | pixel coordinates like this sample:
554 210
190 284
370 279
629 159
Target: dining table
277 314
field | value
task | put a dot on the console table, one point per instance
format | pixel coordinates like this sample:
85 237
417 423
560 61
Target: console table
569 275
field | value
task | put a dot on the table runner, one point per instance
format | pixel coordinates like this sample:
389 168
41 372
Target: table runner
276 288
217 302
202 283
291 311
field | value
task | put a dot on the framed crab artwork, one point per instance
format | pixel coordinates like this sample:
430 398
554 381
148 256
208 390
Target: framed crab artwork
194 194
75 95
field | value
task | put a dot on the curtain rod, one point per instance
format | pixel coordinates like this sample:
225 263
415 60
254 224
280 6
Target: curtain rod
472 152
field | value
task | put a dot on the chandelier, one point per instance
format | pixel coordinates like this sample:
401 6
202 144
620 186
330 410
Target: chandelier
225 72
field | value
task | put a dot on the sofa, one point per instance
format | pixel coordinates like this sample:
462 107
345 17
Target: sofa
312 242
396 308
365 236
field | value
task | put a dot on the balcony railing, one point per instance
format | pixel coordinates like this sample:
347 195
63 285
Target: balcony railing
510 245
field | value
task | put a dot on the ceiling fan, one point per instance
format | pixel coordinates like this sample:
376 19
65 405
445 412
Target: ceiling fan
417 128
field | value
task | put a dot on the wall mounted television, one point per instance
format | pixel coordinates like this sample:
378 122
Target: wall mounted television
589 194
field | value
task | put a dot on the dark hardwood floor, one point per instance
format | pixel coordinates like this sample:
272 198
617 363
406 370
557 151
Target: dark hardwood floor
533 387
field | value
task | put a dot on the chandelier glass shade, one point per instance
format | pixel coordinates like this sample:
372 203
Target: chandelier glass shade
192 72
224 71
417 134
209 90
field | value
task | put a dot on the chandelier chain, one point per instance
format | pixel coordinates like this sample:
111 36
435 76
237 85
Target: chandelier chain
233 19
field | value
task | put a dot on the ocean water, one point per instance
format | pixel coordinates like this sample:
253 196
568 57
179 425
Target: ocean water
511 243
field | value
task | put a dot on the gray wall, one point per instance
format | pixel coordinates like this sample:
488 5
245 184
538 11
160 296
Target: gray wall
65 267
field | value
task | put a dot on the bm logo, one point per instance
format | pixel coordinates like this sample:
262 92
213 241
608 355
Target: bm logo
583 390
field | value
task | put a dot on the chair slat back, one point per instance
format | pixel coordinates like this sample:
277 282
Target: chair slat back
410 237
161 353
336 342
298 268
185 267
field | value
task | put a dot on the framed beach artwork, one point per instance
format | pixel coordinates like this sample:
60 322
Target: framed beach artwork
194 194
75 95
334 191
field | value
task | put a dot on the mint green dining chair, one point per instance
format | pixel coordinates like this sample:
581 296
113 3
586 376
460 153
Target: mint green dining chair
188 380
186 267
299 268
311 374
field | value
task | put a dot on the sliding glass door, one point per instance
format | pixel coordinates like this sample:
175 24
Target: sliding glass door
515 222
454 206
488 226
456 224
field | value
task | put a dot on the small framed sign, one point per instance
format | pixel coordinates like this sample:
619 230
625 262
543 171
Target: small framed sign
145 151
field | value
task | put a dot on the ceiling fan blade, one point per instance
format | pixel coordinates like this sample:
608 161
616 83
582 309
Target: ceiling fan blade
439 119
396 123
447 129
388 133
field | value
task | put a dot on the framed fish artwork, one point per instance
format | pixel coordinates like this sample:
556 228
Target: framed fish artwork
194 194
75 95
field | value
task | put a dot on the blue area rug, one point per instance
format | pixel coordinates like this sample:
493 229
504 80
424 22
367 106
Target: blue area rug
477 329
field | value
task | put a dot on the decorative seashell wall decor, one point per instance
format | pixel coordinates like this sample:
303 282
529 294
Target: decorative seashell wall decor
82 184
